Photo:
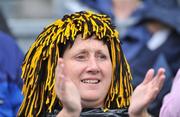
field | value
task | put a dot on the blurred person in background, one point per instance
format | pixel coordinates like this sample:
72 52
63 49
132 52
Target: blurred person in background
11 58
3 24
123 13
153 42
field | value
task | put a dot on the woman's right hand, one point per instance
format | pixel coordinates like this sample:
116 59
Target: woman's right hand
67 92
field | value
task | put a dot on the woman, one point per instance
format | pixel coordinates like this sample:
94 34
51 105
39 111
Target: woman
92 76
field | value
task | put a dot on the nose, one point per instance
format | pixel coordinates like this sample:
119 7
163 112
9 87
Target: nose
93 66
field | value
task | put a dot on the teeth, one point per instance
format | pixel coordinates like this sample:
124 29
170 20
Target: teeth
90 81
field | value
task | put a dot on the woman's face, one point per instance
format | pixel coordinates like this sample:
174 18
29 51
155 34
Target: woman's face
88 64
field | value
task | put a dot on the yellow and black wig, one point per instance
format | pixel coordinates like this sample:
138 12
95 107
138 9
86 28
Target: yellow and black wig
38 69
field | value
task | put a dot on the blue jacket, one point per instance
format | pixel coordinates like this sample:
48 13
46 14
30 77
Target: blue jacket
10 70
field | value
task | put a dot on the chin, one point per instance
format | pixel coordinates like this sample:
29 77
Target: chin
90 97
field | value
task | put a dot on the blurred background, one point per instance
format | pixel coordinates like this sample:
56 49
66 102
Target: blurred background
26 18
149 31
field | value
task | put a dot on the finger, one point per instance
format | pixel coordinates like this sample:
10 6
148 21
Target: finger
62 84
158 85
159 78
161 81
149 76
161 71
59 70
63 70
59 76
61 64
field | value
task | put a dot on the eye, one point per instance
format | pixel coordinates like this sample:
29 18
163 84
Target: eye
101 56
81 57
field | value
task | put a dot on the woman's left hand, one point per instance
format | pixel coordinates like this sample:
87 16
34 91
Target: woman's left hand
146 92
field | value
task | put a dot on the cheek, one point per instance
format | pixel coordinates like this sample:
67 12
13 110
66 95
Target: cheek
107 74
107 69
72 70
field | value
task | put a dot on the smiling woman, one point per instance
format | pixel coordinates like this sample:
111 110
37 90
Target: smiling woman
92 71
76 67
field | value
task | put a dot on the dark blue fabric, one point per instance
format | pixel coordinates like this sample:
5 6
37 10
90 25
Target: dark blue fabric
11 58
134 40
165 11
161 62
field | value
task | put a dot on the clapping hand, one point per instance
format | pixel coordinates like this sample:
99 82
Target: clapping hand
67 92
146 92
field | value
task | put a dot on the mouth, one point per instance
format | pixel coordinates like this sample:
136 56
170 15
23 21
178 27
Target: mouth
88 81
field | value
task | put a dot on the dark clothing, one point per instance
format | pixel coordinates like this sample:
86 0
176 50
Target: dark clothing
141 59
146 59
168 56
98 113
134 40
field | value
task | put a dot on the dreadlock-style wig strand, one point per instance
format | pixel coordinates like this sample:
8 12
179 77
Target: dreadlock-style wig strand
38 69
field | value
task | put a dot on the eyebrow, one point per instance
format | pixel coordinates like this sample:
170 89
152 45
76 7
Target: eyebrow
85 49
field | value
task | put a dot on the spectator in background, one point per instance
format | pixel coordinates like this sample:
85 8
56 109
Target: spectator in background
154 42
10 70
123 13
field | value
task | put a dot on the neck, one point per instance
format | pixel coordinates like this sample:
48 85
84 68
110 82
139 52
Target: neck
91 104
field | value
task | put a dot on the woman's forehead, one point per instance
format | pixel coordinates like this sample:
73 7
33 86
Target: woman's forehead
88 42
80 45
